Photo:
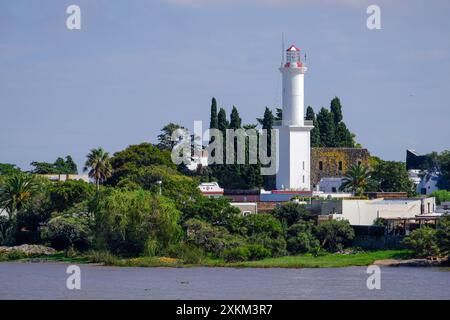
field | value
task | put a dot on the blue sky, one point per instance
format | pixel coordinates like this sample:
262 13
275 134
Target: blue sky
137 65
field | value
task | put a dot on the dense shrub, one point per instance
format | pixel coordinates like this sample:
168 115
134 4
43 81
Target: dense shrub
63 195
236 254
211 238
441 196
291 212
334 235
423 241
66 231
443 235
301 239
187 252
132 223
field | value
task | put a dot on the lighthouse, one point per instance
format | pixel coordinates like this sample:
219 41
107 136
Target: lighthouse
294 132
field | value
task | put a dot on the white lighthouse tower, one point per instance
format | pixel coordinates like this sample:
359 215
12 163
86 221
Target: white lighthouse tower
294 131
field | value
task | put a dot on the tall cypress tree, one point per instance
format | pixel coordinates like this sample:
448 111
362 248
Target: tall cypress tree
235 119
214 121
336 110
325 122
267 123
315 133
222 122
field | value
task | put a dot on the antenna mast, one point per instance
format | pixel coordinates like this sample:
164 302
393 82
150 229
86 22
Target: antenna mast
282 48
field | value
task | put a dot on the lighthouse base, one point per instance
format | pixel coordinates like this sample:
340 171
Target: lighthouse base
294 169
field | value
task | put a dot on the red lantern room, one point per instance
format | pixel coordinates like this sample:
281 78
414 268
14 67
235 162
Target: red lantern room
293 57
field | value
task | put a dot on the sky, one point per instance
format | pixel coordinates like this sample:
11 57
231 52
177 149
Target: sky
137 65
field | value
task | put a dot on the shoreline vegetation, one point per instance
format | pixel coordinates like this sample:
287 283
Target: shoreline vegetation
326 260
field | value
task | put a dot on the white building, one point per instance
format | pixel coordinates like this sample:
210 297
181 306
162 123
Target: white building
211 189
365 212
294 131
330 184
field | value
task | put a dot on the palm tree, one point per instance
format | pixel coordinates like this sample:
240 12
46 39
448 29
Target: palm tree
356 179
99 166
15 191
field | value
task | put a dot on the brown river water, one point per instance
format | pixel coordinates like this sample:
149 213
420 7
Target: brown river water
48 281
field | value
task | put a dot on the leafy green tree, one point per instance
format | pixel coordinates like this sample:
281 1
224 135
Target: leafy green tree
334 235
267 123
301 239
356 179
214 121
132 223
99 166
290 213
441 196
43 168
128 162
443 160
8 169
15 191
165 138
70 165
423 241
315 132
391 176
443 235
213 239
64 195
325 123
68 231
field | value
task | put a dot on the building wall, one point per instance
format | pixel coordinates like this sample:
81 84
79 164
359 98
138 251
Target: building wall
364 212
325 162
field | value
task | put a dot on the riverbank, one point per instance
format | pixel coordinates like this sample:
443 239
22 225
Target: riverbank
326 260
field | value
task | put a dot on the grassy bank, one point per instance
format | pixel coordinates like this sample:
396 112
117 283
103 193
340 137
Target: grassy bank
327 260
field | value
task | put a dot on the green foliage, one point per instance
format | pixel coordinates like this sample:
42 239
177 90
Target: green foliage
218 212
8 169
356 179
187 252
165 138
246 252
102 256
181 189
98 165
235 119
334 235
443 235
441 196
237 254
423 241
211 238
128 162
291 212
136 222
15 191
60 166
69 231
214 121
301 239
392 176
315 132
64 195
326 125
222 120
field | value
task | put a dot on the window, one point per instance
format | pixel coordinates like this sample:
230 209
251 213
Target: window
340 165
303 165
320 165
303 179
333 189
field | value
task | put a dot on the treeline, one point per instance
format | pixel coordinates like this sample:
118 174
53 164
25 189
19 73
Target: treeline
329 131
144 206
